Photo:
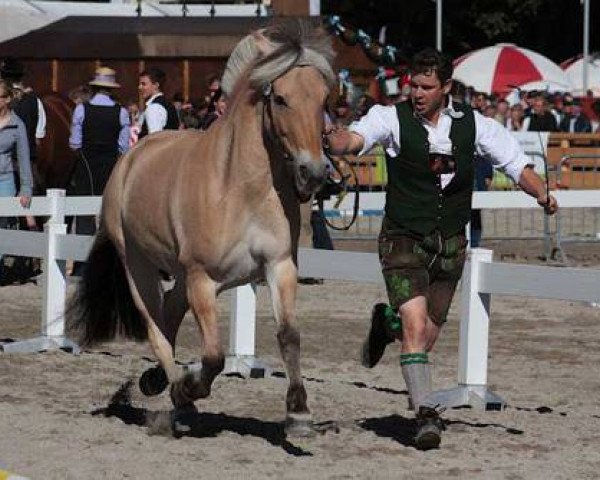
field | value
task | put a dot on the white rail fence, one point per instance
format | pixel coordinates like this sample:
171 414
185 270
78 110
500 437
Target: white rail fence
481 279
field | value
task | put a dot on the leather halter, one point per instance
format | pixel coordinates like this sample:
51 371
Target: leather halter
267 108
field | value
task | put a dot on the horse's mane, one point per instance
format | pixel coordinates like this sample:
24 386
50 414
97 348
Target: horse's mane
289 43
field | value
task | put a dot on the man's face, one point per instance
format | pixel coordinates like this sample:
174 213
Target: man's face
147 88
539 105
427 93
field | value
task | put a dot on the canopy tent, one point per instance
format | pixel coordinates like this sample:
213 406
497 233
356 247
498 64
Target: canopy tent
500 68
574 70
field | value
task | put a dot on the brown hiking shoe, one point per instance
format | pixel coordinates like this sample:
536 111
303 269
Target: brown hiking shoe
377 339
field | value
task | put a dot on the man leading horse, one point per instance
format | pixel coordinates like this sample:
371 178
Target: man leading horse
430 143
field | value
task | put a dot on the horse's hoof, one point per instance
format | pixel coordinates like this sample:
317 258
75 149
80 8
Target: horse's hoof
299 425
188 389
153 381
182 419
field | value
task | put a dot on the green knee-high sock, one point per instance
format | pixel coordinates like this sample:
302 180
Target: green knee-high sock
417 375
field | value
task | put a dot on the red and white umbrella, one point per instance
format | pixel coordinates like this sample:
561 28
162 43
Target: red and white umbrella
574 70
501 68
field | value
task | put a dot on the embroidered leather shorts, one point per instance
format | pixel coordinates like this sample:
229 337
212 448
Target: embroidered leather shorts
429 267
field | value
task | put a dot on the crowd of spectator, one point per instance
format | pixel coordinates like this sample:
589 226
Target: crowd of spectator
522 111
535 110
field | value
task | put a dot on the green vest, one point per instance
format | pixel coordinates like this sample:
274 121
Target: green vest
415 201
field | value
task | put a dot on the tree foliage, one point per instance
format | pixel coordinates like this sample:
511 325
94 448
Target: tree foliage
551 27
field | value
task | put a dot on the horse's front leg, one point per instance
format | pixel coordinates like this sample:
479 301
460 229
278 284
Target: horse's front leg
201 295
282 279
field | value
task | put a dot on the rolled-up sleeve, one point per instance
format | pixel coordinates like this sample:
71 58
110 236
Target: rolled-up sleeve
24 161
380 125
496 143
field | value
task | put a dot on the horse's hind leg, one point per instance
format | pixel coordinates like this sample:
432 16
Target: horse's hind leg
201 294
154 380
282 278
144 282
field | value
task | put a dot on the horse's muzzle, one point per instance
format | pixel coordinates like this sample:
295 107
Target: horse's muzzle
309 173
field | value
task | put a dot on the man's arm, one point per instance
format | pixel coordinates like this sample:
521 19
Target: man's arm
342 142
76 137
496 143
156 117
377 126
124 132
532 184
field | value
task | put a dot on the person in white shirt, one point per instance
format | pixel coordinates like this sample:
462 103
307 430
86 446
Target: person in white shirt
430 144
160 114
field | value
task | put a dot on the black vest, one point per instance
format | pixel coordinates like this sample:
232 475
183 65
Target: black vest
415 201
100 129
172 118
26 108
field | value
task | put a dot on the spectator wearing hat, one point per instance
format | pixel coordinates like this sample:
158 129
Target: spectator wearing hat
574 120
541 118
160 114
99 133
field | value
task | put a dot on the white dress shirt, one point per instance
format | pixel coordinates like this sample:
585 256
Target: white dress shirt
492 140
40 128
155 115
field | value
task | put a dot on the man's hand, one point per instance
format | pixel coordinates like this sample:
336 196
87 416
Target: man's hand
342 141
532 184
549 203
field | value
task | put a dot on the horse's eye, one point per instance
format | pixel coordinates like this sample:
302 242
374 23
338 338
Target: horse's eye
279 100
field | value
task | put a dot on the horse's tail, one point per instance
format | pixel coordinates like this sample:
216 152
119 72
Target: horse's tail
102 305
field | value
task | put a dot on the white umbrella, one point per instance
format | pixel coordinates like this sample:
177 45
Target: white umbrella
574 70
498 69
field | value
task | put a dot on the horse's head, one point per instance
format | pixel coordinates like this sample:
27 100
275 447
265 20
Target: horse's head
294 113
289 69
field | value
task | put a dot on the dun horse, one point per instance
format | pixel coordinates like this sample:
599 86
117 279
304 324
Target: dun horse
215 210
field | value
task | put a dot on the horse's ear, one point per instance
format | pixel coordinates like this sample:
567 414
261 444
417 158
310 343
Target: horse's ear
263 44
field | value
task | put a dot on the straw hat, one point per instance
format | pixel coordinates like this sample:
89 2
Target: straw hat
105 77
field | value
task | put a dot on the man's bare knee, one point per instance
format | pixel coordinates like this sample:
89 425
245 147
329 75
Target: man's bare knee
414 324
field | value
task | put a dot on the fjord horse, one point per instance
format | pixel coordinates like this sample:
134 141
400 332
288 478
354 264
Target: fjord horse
215 210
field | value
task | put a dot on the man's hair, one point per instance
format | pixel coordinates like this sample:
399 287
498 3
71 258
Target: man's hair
430 60
156 75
